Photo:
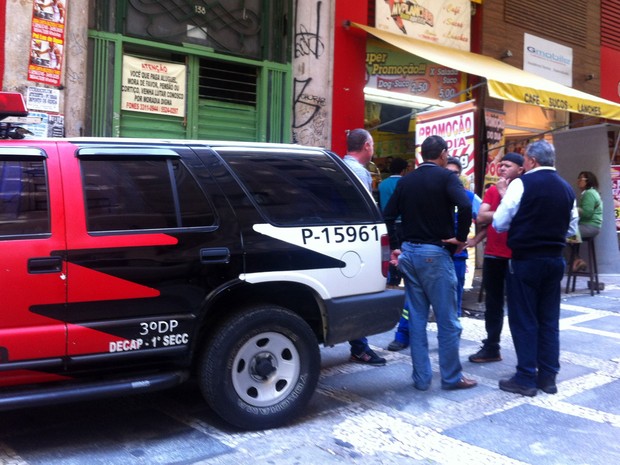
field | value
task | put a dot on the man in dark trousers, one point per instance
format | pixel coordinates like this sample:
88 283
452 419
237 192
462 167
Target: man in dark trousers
539 212
496 258
425 199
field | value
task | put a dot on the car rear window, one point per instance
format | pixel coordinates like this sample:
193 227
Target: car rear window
299 188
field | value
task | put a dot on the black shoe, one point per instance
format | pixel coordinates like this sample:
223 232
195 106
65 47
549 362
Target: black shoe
395 346
510 385
485 355
547 384
367 357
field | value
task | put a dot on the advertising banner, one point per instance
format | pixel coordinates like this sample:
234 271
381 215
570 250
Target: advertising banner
47 41
495 123
456 126
395 70
153 86
615 189
440 22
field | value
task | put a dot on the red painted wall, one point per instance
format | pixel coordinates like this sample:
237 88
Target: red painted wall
349 72
610 74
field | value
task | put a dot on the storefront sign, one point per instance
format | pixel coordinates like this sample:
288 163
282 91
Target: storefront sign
548 59
610 73
504 81
397 71
43 98
47 41
615 189
456 126
440 22
153 86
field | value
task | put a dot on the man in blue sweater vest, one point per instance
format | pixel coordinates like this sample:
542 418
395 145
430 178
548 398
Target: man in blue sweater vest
539 212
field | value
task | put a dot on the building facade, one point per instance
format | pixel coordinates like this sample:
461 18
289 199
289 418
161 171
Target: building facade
291 70
169 68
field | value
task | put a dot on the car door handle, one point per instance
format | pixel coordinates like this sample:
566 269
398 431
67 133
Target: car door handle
44 265
215 255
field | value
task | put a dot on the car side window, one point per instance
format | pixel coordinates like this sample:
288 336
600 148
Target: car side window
299 188
137 194
24 203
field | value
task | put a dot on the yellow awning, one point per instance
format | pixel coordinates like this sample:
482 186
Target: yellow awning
503 80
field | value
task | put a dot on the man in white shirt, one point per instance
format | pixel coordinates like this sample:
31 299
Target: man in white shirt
538 211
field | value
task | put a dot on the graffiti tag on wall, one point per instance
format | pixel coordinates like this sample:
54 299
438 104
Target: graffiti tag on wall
311 112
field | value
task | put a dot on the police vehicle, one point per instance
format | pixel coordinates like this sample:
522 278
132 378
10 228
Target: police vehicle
131 265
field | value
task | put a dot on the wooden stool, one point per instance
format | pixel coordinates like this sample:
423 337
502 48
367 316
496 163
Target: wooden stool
592 270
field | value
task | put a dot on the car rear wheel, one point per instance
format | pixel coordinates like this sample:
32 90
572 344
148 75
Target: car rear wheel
260 368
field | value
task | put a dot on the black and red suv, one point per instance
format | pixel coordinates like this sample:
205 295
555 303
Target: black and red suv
130 265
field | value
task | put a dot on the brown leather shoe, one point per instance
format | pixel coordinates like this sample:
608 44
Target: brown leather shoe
464 383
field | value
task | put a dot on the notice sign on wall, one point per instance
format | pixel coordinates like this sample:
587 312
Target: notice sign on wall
43 98
153 86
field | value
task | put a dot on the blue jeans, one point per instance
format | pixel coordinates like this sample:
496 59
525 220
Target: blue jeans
430 280
533 294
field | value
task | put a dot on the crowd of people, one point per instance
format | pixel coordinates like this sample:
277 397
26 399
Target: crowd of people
524 220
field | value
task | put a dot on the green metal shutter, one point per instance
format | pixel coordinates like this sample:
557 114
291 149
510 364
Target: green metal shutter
227 100
138 124
226 121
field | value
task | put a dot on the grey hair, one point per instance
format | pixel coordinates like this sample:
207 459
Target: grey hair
541 151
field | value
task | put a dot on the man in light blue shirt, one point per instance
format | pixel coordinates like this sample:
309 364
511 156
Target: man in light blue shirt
360 149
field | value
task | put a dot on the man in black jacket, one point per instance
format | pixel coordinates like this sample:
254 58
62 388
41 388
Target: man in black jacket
426 199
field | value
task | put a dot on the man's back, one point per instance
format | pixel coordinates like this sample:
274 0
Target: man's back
386 189
426 199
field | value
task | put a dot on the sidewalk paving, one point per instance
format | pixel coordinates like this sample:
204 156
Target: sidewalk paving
608 299
386 421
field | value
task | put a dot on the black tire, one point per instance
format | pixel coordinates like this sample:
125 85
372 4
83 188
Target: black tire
260 368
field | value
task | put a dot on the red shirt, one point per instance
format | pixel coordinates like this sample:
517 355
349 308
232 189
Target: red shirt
496 241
